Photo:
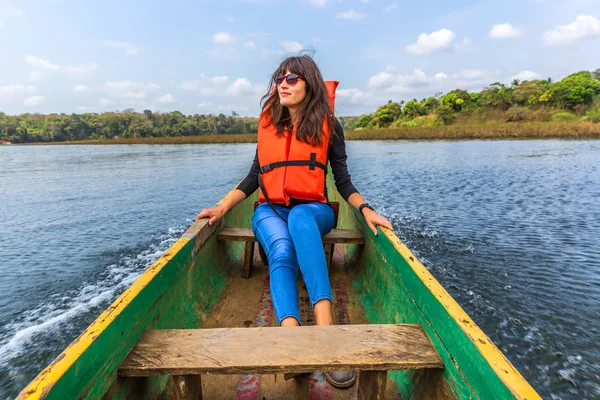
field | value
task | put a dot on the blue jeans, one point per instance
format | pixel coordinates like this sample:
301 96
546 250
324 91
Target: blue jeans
291 243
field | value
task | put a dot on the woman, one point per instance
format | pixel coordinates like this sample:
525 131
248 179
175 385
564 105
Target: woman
298 135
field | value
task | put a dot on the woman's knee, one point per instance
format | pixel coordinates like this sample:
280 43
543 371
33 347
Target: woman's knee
282 254
300 216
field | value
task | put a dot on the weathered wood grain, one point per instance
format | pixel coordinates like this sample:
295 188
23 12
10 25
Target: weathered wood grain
349 236
248 259
371 385
281 350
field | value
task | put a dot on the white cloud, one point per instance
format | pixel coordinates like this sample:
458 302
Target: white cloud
80 88
391 6
166 99
397 83
81 71
242 108
473 78
583 26
382 79
7 91
77 71
219 80
291 46
86 109
190 85
129 89
355 97
428 43
105 102
205 83
318 3
34 101
526 76
504 31
36 76
205 105
40 62
222 85
222 38
128 48
249 45
350 15
241 87
417 81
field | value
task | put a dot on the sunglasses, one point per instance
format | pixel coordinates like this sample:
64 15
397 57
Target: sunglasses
291 79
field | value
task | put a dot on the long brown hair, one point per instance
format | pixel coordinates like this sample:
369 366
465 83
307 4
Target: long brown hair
313 110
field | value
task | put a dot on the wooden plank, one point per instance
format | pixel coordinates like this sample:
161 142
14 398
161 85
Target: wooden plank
280 350
328 251
248 259
371 385
349 236
236 234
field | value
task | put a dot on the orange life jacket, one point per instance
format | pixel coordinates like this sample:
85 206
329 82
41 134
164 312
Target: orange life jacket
290 168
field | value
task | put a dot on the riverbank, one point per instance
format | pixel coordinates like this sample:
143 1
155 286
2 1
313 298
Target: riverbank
528 130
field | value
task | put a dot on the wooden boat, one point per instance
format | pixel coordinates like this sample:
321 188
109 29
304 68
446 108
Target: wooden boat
196 283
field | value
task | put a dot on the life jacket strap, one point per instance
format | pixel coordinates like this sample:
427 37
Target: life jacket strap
311 164
269 202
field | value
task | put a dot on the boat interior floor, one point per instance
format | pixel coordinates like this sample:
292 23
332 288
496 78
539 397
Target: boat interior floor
247 303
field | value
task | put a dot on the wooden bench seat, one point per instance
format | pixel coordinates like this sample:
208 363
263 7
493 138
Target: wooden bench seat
342 236
371 349
334 236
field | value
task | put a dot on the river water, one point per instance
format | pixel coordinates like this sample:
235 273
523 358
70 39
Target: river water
509 228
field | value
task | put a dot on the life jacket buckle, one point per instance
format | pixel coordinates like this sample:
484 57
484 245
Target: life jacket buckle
313 161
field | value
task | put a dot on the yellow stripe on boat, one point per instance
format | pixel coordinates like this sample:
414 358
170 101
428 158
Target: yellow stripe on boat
513 380
40 386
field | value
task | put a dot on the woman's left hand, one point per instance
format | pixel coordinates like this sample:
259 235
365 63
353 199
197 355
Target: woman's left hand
373 219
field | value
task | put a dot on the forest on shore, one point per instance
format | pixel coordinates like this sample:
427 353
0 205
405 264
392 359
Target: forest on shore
569 107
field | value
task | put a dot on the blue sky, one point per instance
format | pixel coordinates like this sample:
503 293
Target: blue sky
216 56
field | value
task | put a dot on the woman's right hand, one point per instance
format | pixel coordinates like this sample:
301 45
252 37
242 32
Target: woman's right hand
213 213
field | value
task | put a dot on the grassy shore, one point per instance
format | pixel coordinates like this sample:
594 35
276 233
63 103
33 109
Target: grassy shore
528 130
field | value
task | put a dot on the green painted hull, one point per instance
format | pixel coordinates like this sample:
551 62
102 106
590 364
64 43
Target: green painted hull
182 288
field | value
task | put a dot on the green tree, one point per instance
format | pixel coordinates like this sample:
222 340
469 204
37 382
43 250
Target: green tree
457 99
430 104
497 95
386 114
446 114
529 93
575 89
413 109
364 121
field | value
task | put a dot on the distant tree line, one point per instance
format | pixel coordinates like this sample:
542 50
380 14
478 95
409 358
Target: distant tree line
575 97
125 124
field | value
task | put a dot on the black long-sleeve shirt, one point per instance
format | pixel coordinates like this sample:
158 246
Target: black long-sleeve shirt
336 155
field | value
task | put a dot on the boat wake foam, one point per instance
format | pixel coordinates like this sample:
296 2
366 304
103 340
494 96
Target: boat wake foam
43 332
